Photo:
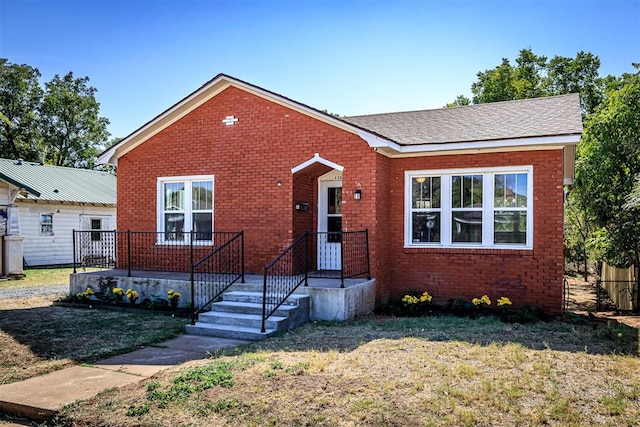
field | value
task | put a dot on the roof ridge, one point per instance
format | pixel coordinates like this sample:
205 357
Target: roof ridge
484 104
32 163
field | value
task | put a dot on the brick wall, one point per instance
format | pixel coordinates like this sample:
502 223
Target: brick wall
247 160
525 276
251 157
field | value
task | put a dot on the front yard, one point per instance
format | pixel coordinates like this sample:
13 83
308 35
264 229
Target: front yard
38 337
378 370
445 370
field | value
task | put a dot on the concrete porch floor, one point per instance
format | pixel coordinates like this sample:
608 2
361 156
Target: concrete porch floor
328 300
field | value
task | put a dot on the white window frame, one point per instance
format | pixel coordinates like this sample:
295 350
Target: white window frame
188 180
42 223
488 208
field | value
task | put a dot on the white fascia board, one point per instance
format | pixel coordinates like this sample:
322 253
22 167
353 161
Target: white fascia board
317 159
537 143
375 141
164 120
203 95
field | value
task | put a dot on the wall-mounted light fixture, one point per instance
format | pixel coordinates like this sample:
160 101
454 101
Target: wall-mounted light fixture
357 194
278 183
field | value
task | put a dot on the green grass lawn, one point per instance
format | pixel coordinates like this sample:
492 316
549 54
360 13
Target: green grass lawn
40 277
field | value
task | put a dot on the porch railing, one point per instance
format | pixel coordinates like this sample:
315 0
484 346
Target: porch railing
215 273
143 250
284 275
332 255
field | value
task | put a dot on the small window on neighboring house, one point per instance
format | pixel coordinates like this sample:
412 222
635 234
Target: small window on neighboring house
46 224
96 224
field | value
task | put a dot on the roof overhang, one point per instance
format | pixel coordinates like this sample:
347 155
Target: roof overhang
317 159
210 90
474 147
20 187
381 144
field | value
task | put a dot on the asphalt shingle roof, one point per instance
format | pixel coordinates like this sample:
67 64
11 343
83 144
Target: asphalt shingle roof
59 184
538 117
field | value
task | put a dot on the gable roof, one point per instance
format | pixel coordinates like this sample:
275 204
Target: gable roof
58 184
526 118
553 121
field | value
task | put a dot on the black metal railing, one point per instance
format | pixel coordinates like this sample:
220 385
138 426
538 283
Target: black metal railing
332 255
215 273
143 250
623 294
565 294
283 276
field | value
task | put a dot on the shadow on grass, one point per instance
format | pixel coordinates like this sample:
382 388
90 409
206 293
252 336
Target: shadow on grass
570 334
83 335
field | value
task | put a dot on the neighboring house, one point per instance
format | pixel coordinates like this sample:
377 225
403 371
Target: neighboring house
458 202
47 202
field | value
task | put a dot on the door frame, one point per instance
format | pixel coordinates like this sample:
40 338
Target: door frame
332 179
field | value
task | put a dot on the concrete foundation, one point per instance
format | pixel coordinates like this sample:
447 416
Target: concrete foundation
329 301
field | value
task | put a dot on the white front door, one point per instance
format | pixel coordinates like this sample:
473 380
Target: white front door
330 221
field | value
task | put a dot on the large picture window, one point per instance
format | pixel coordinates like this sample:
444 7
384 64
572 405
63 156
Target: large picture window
185 204
469 208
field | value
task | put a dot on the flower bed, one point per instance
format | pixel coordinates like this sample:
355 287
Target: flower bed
415 304
114 298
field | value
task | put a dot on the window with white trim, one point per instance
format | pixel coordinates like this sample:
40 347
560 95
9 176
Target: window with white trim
486 208
46 224
185 204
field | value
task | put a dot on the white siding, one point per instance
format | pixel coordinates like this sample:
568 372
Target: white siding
58 248
5 194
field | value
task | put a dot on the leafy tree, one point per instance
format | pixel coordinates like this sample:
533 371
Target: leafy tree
633 201
461 100
72 128
576 75
534 76
607 169
20 98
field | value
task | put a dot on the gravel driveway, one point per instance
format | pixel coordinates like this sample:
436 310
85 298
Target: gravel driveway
30 291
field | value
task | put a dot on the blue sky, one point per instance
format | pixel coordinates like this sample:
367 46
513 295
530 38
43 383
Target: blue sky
349 57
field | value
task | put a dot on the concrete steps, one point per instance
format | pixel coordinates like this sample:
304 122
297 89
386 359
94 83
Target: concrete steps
239 316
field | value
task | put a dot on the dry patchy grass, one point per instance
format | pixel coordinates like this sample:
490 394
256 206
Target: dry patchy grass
38 337
396 372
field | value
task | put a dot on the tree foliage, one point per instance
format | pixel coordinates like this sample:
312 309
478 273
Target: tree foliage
20 99
71 124
61 121
608 168
534 76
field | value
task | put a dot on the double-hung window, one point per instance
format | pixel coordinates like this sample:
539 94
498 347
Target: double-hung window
46 224
489 208
185 204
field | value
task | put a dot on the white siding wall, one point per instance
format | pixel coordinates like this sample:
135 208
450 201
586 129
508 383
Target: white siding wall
56 249
5 193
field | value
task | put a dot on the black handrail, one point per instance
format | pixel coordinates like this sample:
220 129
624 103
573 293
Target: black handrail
292 267
289 270
217 271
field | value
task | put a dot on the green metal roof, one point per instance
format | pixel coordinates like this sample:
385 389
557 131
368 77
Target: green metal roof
59 184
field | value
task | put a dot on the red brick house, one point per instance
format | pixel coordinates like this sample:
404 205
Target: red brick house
458 202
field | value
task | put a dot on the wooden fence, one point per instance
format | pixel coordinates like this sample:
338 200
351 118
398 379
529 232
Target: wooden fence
621 285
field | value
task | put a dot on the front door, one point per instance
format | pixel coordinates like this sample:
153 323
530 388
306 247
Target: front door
330 222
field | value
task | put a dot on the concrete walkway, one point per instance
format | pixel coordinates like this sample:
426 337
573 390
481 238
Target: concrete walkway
39 398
